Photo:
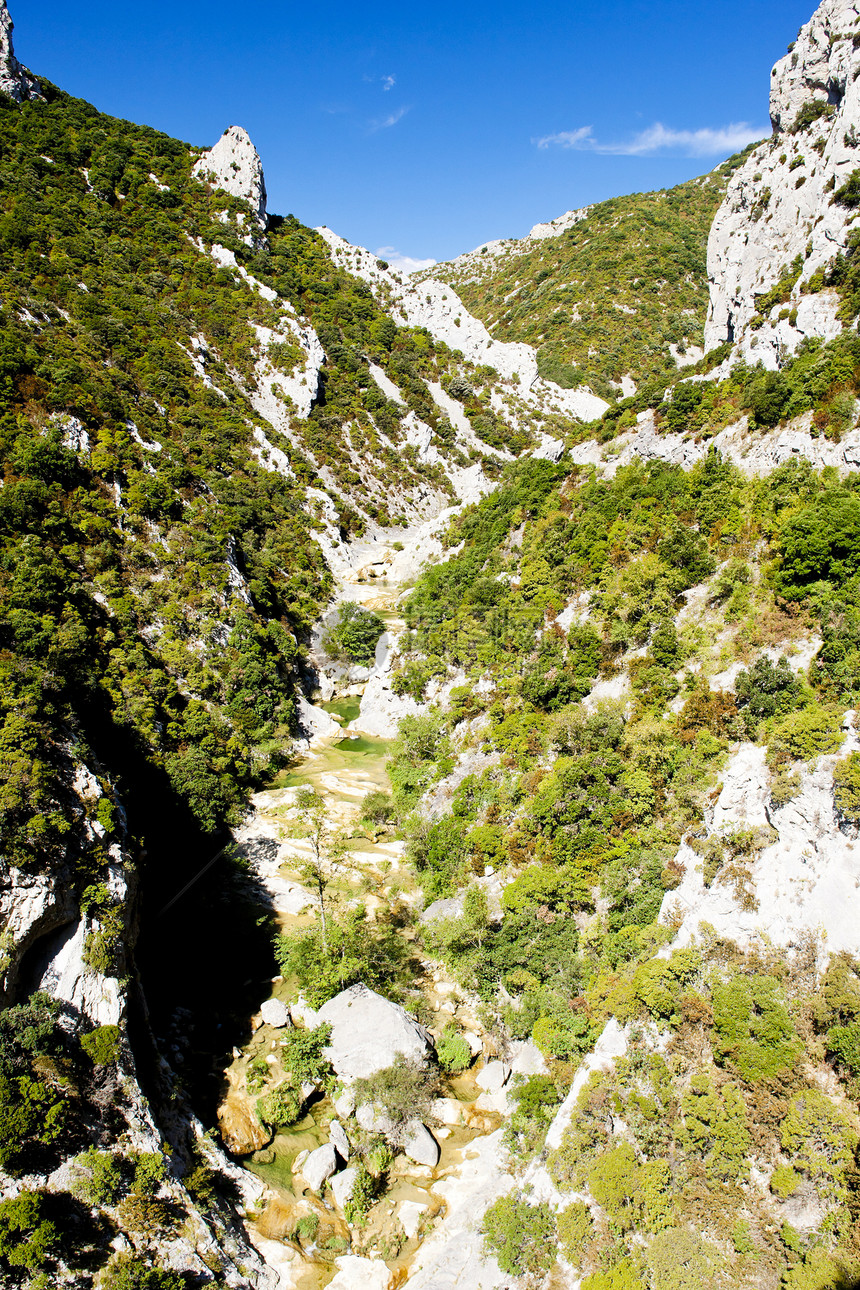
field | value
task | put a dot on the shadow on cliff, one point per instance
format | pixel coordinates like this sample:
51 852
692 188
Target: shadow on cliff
203 951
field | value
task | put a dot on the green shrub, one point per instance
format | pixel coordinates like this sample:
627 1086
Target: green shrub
29 1240
137 1272
281 1107
622 1276
452 1052
804 735
574 1230
522 1236
355 634
754 1031
102 1045
404 1091
766 691
106 1177
365 1191
784 1181
818 1137
846 787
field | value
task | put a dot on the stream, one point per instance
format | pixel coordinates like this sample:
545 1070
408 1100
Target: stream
342 765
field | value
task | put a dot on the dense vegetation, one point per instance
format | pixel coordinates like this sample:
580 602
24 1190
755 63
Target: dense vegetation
609 296
583 808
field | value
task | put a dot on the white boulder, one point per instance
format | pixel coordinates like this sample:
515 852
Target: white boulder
275 1013
493 1077
338 1139
369 1033
319 1165
343 1184
420 1145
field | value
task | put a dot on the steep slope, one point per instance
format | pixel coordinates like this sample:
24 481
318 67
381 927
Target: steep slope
614 295
792 206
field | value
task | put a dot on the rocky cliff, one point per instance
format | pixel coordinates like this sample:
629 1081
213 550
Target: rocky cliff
789 210
15 80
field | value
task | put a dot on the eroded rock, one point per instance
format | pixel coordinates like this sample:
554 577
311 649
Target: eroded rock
420 1145
369 1032
319 1165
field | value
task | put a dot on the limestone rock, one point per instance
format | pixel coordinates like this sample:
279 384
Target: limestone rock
435 305
319 1165
779 205
355 1273
493 1077
15 80
368 1033
409 1214
447 1110
344 1103
240 1127
420 1145
234 165
343 1184
373 1119
275 1013
338 1139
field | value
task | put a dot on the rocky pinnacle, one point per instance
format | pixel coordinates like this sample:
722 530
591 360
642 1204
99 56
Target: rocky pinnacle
234 165
15 81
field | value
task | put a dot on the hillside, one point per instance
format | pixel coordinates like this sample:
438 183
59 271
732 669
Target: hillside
616 300
429 783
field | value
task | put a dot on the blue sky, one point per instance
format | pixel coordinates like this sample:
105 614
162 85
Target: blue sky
429 129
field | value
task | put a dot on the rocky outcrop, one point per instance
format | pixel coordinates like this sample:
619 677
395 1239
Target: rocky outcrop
780 209
15 81
436 306
755 453
369 1032
234 166
804 881
420 1145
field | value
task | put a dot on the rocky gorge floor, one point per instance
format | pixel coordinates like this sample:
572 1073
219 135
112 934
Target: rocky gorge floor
424 1231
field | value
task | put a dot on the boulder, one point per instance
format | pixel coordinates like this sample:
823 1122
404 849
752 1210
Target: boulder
355 1273
409 1214
319 1165
344 1103
420 1145
493 1077
373 1120
275 1013
447 1110
369 1032
338 1139
343 1184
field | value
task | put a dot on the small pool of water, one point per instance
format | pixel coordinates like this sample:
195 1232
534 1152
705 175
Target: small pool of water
362 744
346 708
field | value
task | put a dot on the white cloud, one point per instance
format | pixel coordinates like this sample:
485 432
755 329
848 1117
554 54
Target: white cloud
660 138
385 122
388 82
402 263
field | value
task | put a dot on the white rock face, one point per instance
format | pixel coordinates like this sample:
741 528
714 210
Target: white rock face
754 453
68 978
368 1033
234 165
493 1077
436 306
805 882
15 80
779 203
355 1273
452 1256
31 905
319 1165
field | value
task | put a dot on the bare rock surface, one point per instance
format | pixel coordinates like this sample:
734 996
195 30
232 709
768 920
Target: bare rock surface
778 204
275 1013
420 1145
343 1184
319 1165
233 164
355 1273
369 1032
338 1139
804 881
15 80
